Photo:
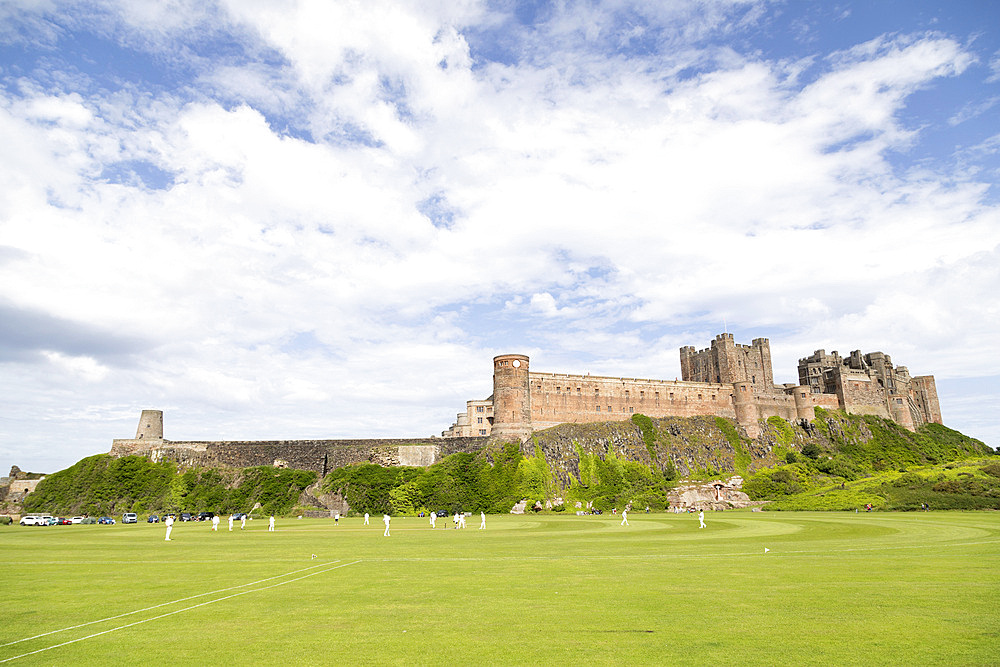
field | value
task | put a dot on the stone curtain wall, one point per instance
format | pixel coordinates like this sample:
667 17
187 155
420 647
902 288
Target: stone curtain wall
575 399
321 456
861 395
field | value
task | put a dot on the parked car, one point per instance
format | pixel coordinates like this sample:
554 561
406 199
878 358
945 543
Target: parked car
238 515
153 519
63 521
442 513
51 521
106 520
77 519
89 520
205 516
185 516
33 520
130 517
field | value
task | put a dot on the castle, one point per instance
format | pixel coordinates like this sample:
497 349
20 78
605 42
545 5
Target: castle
726 379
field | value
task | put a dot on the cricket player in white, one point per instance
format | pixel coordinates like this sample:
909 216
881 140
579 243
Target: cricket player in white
230 523
386 519
433 519
270 525
170 526
625 517
701 518
366 518
215 523
482 520
243 522
461 520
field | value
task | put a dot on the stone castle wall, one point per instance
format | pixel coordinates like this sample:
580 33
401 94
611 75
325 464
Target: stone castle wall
320 456
576 399
726 380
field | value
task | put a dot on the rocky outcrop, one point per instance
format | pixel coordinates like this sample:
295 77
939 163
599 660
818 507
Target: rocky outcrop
715 495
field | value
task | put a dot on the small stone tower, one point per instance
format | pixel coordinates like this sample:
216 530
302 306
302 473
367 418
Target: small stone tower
511 398
150 425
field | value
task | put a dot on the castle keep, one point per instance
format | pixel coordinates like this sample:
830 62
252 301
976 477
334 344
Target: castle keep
726 379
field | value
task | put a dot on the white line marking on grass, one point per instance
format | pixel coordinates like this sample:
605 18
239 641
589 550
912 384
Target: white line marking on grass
165 604
177 611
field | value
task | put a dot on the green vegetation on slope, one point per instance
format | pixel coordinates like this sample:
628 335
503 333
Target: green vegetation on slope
861 460
492 480
103 484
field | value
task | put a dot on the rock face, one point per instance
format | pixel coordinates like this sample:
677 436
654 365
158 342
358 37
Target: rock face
685 444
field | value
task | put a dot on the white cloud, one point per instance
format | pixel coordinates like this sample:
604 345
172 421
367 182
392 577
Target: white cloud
604 208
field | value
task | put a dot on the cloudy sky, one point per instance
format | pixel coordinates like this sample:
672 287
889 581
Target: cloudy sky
323 219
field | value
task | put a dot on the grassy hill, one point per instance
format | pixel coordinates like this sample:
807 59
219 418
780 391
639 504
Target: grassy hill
103 484
837 461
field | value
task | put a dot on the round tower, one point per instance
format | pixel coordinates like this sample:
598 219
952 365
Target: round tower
804 409
511 398
745 405
150 425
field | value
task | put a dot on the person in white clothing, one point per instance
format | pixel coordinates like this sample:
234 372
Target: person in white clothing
270 525
433 519
215 523
170 526
386 519
366 518
461 520
230 523
625 517
482 520
243 521
336 519
701 518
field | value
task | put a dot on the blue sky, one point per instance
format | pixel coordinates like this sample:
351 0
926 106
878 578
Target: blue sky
317 219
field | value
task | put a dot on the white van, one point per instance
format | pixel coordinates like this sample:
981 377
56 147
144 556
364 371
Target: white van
130 517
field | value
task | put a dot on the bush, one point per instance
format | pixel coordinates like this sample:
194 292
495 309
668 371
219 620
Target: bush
6 521
811 450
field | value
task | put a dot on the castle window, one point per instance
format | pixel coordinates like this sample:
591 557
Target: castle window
626 394
480 408
630 409
598 408
609 408
480 420
482 431
658 395
699 397
557 389
642 395
671 395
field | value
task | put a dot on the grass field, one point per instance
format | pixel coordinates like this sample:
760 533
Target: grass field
835 588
